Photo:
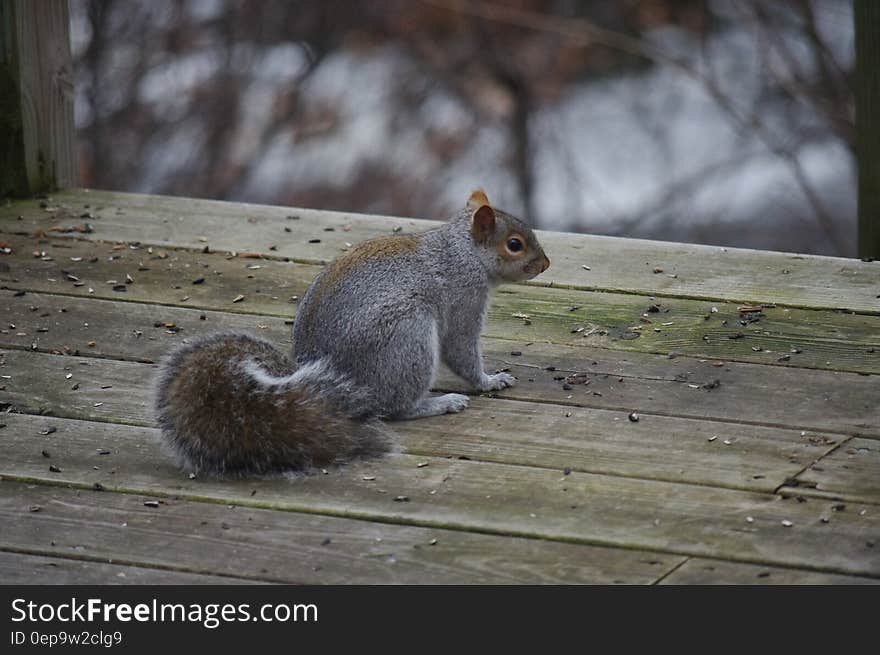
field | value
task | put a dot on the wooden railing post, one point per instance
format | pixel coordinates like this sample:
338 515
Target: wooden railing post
36 97
867 27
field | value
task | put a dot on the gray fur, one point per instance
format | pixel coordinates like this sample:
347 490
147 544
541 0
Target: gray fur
379 325
368 337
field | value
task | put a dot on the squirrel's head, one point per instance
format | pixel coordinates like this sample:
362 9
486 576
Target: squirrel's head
511 247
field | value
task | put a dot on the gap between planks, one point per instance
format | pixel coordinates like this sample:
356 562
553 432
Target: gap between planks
671 571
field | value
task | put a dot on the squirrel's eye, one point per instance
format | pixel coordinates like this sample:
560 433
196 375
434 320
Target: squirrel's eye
514 245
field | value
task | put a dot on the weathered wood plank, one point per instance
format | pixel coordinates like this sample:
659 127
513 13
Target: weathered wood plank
681 386
746 393
26 569
298 548
512 432
473 496
61 323
851 472
615 264
779 336
36 86
161 276
700 571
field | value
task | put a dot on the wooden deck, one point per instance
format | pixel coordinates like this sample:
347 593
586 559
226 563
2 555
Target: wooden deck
755 459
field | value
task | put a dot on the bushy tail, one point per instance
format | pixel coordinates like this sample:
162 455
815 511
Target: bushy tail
231 404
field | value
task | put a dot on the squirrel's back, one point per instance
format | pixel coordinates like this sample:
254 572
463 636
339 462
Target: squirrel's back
231 404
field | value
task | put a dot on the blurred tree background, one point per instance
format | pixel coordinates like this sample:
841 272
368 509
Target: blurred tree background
713 121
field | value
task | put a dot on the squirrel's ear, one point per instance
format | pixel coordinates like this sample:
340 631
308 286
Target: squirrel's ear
478 199
483 223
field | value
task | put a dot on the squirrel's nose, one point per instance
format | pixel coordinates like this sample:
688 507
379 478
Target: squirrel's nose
545 265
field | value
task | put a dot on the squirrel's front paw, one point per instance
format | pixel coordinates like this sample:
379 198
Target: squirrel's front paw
498 381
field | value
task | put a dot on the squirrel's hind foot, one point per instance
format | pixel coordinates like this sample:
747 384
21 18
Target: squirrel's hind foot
450 403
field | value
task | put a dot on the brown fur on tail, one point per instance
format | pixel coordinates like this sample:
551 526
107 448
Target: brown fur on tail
231 404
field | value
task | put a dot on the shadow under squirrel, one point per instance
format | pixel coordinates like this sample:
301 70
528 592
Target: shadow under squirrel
367 339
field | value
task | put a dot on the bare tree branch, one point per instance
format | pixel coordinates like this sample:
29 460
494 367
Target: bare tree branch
585 32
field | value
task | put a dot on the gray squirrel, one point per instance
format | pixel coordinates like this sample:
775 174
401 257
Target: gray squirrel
367 339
